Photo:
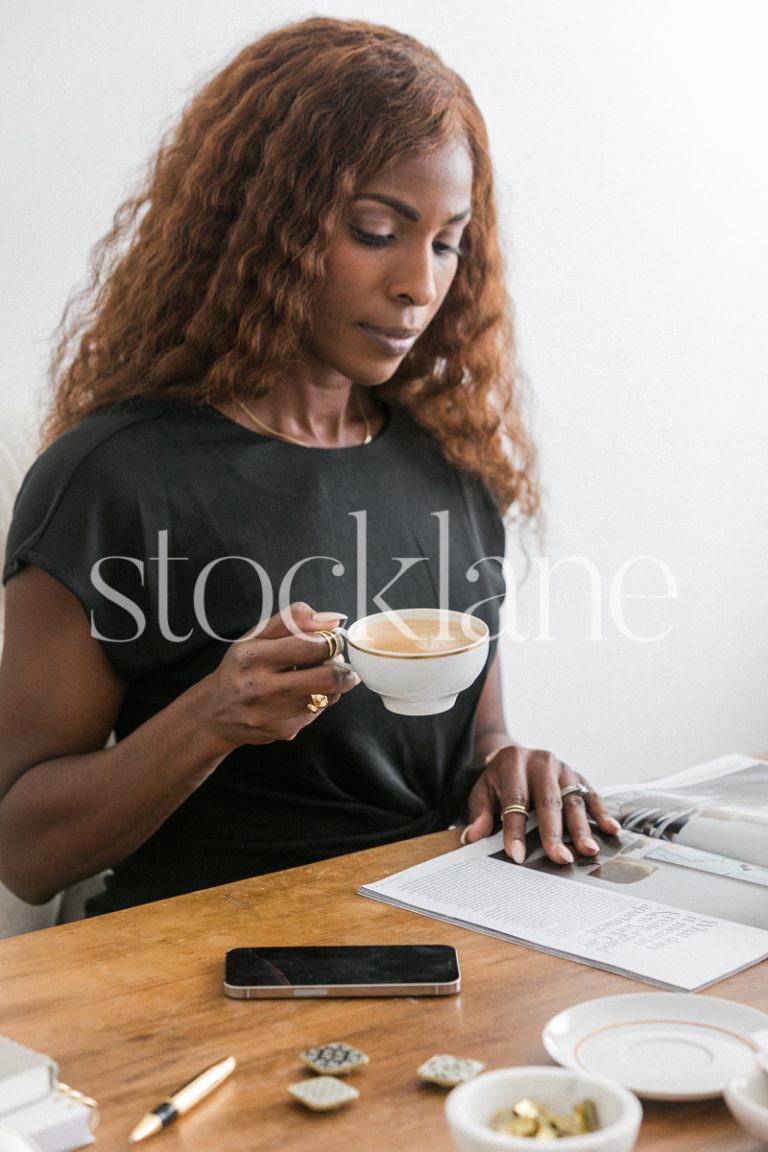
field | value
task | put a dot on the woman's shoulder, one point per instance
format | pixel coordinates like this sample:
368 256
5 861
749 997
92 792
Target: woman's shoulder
113 427
115 443
91 473
421 446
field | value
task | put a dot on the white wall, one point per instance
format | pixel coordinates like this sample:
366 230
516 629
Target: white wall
629 137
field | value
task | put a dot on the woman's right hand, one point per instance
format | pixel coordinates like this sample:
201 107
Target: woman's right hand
262 689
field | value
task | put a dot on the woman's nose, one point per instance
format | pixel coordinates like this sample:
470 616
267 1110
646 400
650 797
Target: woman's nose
414 278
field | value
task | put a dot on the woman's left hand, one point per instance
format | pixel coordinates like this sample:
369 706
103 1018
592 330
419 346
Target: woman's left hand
536 780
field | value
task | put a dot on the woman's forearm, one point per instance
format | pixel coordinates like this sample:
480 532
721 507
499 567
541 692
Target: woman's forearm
71 807
70 817
490 728
488 742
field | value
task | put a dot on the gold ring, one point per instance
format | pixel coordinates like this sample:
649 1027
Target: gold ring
518 809
580 790
317 702
338 644
333 640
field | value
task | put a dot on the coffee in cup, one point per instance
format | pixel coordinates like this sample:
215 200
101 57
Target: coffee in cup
418 659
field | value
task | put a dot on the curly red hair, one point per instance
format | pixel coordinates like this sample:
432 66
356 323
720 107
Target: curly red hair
204 286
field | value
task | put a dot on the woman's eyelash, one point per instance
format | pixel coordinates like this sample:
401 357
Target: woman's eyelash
380 240
377 239
449 249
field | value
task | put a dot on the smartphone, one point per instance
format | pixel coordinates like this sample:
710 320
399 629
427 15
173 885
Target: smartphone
346 970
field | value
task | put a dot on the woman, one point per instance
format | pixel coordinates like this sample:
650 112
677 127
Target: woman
290 398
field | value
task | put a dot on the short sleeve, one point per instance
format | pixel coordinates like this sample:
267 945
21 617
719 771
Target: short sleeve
78 517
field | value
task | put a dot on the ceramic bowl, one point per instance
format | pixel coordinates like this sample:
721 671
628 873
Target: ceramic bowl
470 1106
747 1099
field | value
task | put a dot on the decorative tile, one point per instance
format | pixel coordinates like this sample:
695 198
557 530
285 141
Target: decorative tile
323 1093
449 1070
334 1059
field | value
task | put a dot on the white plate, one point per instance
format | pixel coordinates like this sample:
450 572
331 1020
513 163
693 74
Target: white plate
662 1045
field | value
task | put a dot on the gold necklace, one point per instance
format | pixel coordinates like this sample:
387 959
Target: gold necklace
302 443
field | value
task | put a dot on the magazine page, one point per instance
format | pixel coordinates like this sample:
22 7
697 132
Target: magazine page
721 806
674 874
614 912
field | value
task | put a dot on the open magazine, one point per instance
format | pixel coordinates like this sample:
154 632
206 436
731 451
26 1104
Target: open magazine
679 898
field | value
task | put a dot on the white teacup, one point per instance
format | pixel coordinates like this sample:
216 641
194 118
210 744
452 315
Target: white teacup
417 659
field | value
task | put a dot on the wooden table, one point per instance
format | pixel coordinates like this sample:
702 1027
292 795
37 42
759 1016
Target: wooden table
131 1006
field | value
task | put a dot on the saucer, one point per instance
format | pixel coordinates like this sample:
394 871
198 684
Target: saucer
661 1045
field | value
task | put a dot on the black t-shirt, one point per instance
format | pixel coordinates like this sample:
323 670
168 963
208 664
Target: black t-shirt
178 530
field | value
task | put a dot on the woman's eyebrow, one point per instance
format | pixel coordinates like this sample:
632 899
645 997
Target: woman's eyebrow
404 209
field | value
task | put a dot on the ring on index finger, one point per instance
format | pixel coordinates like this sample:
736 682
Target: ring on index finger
333 640
579 790
515 809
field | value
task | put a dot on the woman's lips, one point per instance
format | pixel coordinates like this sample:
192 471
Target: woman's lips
393 341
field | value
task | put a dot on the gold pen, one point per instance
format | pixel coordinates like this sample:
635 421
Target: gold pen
181 1101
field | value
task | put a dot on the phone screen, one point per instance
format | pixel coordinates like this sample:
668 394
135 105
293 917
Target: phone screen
378 970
